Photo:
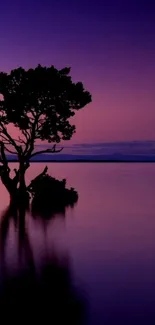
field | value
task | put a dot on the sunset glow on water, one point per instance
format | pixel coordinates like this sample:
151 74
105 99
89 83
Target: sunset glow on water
108 238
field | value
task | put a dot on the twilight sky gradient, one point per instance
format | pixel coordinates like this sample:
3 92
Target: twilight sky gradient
110 45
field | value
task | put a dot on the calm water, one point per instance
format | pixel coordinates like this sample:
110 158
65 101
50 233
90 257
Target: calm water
108 239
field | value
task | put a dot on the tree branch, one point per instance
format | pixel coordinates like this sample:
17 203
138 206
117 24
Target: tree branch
26 134
3 156
4 138
30 142
16 177
21 141
9 137
10 151
53 150
6 141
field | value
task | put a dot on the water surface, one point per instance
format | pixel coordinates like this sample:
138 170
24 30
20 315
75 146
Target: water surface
108 238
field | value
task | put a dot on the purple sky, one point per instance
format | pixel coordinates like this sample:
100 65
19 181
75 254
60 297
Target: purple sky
110 46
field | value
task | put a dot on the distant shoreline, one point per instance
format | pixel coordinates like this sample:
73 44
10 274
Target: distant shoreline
85 161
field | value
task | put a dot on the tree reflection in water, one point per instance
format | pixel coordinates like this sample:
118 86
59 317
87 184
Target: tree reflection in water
44 295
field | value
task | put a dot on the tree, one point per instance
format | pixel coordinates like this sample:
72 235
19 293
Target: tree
39 104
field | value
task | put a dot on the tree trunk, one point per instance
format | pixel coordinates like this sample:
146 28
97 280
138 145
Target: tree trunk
8 182
22 185
18 195
23 195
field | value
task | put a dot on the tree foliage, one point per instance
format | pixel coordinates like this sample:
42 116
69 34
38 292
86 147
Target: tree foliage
39 102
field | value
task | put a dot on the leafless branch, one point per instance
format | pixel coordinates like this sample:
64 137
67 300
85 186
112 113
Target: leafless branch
7 135
26 134
4 138
6 142
10 151
22 141
30 143
52 150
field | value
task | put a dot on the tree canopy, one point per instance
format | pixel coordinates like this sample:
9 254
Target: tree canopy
39 102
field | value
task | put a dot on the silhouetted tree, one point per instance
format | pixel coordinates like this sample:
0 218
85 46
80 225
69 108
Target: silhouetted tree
39 103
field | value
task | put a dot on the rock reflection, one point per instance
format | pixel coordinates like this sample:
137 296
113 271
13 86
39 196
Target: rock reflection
45 294
46 212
